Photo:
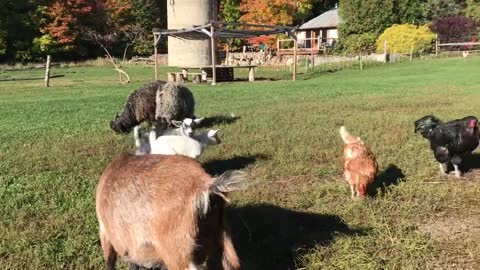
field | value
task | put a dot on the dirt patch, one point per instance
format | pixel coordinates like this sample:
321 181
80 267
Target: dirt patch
452 228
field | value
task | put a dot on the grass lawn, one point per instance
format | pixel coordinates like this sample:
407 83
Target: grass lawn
55 143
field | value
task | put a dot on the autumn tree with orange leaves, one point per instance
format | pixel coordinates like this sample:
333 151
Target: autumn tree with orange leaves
273 12
66 20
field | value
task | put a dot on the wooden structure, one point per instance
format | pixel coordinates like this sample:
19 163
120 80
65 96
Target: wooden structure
222 73
315 36
221 30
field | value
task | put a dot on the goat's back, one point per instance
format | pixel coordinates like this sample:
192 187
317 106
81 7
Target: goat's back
176 145
146 204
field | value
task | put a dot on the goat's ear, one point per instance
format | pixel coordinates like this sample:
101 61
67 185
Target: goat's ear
198 120
212 132
188 121
177 123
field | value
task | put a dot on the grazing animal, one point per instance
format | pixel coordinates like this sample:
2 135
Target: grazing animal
158 103
183 145
451 141
359 164
157 211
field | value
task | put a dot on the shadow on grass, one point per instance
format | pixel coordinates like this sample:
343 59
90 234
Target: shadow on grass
392 175
217 119
269 237
315 74
470 162
219 166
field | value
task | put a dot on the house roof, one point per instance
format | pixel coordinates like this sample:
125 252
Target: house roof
325 20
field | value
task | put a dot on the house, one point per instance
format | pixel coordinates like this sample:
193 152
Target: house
321 30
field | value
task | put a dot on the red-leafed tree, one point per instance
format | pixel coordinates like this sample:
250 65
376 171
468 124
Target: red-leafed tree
273 12
65 19
118 14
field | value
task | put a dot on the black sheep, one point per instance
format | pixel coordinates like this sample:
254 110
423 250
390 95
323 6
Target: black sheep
158 103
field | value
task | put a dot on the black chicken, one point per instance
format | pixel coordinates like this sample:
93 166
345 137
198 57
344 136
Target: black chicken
451 141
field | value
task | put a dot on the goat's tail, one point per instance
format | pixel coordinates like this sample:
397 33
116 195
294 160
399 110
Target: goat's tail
229 181
347 137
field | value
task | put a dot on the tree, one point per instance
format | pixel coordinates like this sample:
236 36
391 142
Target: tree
405 37
473 10
17 29
454 28
442 8
276 12
273 12
230 11
374 16
149 14
411 12
66 20
366 16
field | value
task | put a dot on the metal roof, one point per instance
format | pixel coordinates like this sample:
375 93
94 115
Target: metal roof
327 19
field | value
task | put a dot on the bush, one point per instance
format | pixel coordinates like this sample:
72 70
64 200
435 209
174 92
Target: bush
454 29
402 37
356 44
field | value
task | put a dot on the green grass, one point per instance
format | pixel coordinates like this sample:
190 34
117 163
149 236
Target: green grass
55 143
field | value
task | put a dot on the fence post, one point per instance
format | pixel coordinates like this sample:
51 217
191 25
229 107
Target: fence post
361 61
295 58
385 50
47 71
436 44
411 52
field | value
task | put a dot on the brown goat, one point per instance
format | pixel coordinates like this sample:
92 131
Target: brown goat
157 211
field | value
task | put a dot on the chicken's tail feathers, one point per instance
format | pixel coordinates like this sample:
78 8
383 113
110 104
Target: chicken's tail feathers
347 137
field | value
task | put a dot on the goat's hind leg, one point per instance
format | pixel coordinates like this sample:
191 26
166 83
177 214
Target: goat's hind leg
109 254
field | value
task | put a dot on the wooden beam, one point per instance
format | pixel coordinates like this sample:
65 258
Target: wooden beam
179 31
156 39
214 60
254 25
206 32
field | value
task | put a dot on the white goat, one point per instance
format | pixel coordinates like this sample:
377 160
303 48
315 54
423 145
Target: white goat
184 128
183 145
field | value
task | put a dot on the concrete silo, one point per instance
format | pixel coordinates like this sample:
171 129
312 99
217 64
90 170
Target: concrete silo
186 14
